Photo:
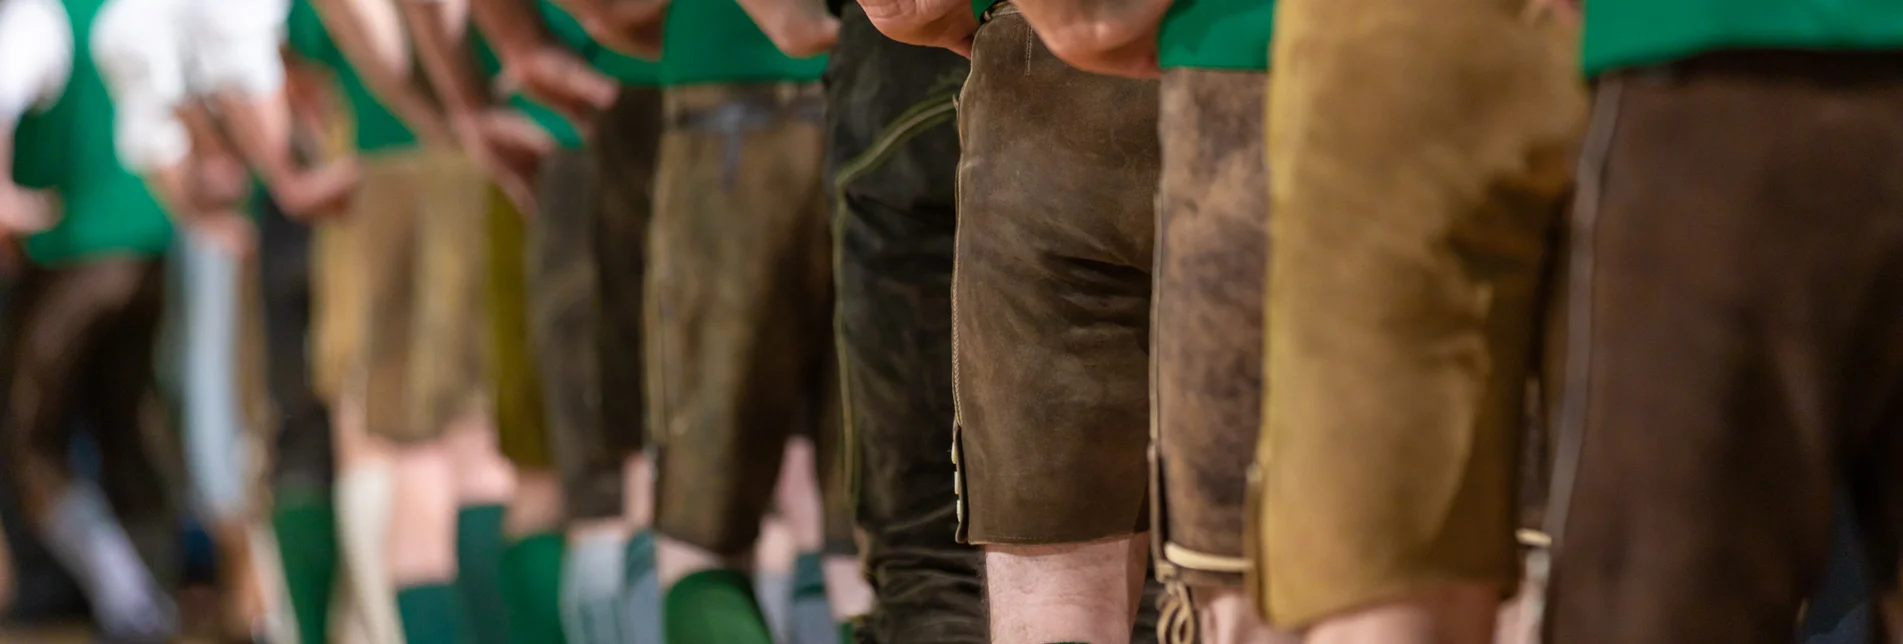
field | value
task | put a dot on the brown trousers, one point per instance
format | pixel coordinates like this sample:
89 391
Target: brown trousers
401 294
1419 156
739 314
1734 358
1051 294
79 345
1211 257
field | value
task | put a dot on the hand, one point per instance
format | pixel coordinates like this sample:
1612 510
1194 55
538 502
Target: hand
509 147
318 193
633 27
227 231
799 28
1116 37
25 211
220 179
556 77
928 23
1566 11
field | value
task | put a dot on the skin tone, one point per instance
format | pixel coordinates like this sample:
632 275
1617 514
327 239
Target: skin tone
802 510
538 66
1084 592
370 35
1115 37
1075 592
440 31
799 28
632 27
22 210
262 129
927 23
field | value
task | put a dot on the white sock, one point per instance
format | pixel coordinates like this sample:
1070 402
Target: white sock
86 538
363 516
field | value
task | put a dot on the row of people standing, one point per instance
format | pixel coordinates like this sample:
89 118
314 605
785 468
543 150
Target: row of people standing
385 454
1705 338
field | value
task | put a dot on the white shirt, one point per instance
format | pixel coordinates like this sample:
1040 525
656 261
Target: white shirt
156 54
36 57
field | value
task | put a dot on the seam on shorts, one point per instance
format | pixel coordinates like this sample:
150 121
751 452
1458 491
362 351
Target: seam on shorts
915 120
1159 503
963 533
1576 387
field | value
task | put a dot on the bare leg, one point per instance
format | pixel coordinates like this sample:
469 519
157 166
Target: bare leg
675 560
846 588
774 555
1458 613
1519 621
638 496
482 475
422 535
800 502
1225 615
1078 592
536 506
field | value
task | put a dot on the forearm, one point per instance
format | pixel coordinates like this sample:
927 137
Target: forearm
798 28
514 28
383 72
446 59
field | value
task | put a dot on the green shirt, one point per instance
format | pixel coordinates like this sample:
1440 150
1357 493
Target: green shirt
1217 34
627 69
713 41
106 210
1623 33
377 128
557 126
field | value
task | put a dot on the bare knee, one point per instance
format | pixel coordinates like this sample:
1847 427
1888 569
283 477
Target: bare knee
1225 615
1079 592
1453 613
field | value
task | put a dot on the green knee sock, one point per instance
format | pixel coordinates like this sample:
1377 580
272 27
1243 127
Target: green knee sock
847 634
479 546
306 526
532 580
714 607
431 615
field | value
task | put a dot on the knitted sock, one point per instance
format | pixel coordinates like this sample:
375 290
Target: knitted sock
83 535
812 617
531 576
363 519
306 526
479 546
714 607
643 612
773 590
431 615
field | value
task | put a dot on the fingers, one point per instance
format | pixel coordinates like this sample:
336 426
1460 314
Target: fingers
928 23
632 27
1114 38
569 85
